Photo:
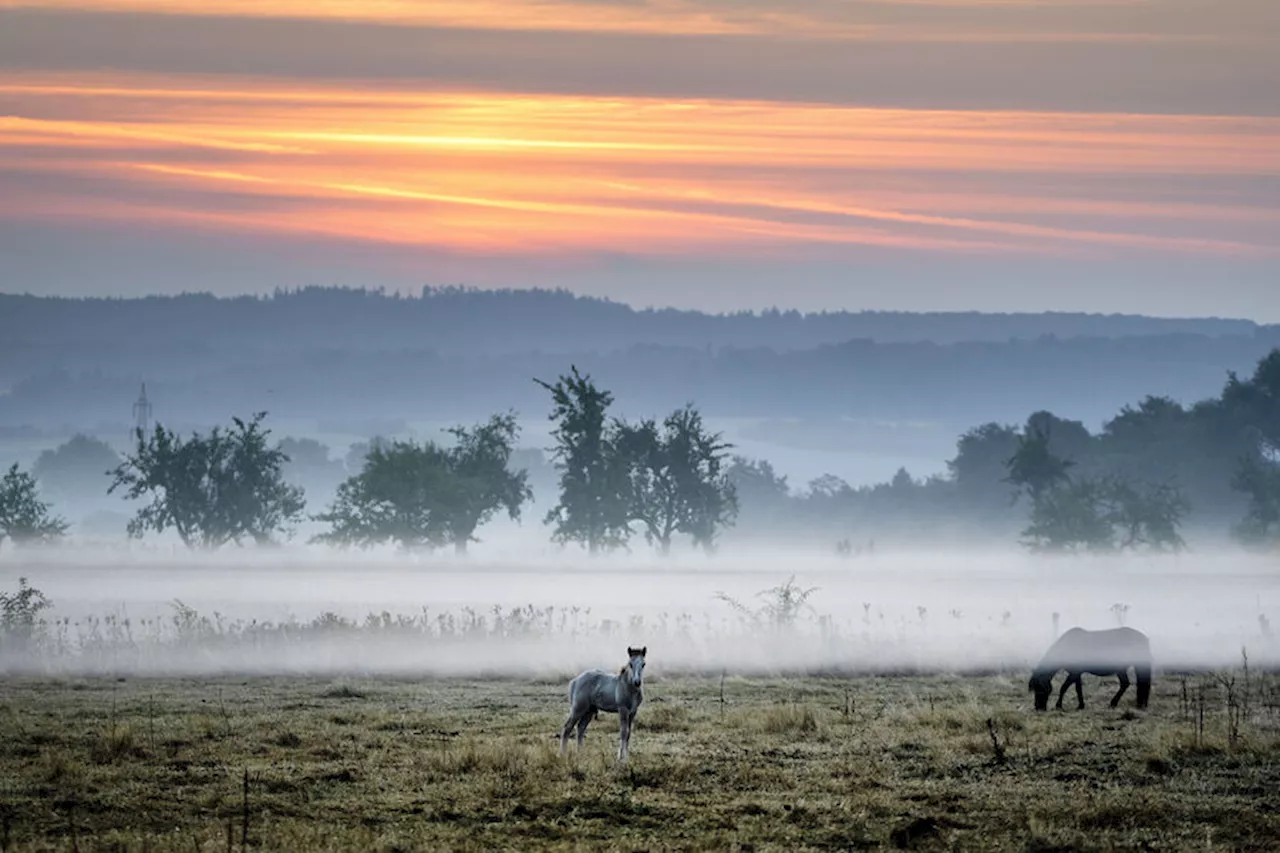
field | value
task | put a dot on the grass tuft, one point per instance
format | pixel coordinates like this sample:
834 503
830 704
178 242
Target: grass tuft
343 691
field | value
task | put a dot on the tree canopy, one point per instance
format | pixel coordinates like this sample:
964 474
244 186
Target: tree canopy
24 518
425 495
594 506
227 486
77 468
678 482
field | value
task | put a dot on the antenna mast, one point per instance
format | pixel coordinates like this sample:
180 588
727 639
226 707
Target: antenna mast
142 411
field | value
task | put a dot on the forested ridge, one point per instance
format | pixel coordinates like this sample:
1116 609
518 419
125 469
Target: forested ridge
457 353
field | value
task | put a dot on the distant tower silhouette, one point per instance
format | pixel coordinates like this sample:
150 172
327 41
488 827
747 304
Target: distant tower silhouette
142 411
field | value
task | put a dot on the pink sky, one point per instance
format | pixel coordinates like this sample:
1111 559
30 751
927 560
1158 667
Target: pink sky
926 154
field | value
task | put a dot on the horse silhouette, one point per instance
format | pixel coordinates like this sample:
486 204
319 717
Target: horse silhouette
1109 652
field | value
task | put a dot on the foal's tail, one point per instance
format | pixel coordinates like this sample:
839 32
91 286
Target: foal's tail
1143 671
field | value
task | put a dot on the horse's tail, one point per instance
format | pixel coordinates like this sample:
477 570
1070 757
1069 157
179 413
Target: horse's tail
1143 671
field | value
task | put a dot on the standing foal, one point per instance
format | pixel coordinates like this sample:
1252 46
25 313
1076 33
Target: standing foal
596 690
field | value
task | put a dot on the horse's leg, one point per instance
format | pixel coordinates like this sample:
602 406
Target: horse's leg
1063 692
582 726
624 733
1079 692
1142 671
574 716
1124 685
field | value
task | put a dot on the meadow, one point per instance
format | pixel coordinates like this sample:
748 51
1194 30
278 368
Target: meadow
806 763
882 705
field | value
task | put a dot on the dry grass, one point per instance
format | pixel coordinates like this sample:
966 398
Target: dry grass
781 765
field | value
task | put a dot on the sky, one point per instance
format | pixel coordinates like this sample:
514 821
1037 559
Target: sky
1002 155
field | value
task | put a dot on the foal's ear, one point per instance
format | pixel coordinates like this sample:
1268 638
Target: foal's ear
643 650
631 652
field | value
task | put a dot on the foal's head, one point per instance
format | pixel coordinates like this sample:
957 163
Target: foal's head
633 672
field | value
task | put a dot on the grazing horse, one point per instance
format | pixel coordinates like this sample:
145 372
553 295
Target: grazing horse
596 690
1109 652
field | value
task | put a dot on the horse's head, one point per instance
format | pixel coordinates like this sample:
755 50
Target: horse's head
1041 684
634 670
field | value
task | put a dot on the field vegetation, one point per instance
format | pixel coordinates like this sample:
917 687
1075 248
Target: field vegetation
721 762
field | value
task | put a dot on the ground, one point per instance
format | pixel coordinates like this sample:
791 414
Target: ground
954 762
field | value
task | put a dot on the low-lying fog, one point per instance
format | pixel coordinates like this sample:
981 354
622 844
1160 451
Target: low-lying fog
550 613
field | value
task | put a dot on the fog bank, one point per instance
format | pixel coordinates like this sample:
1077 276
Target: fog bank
548 614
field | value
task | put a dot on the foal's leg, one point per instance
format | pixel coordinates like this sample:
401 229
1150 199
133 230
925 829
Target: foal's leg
582 726
624 733
1079 692
574 716
1124 685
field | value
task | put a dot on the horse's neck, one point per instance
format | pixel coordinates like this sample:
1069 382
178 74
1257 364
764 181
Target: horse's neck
1049 664
627 692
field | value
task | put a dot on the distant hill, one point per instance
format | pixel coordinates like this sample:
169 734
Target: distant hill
181 334
359 356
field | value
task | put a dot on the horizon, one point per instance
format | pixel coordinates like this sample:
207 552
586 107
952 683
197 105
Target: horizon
425 292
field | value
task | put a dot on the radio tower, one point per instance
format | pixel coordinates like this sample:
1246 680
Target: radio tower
142 411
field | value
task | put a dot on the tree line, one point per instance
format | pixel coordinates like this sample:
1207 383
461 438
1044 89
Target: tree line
229 486
1154 470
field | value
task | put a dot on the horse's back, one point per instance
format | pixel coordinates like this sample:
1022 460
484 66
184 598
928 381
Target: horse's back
593 687
1108 646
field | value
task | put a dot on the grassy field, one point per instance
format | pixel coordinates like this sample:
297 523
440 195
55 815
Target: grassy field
778 764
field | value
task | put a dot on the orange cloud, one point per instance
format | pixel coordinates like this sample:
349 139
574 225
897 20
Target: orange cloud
502 173
936 20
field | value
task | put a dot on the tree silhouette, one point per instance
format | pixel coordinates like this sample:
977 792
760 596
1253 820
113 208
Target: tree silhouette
594 486
1106 514
678 482
425 495
1034 467
211 490
480 463
1258 477
24 518
398 497
79 467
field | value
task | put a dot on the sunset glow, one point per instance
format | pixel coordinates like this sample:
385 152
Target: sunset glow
509 173
490 138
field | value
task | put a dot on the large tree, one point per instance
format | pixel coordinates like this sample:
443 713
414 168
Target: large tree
1106 514
484 482
24 518
227 486
678 479
978 468
594 500
1258 478
1034 466
397 497
77 469
426 495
